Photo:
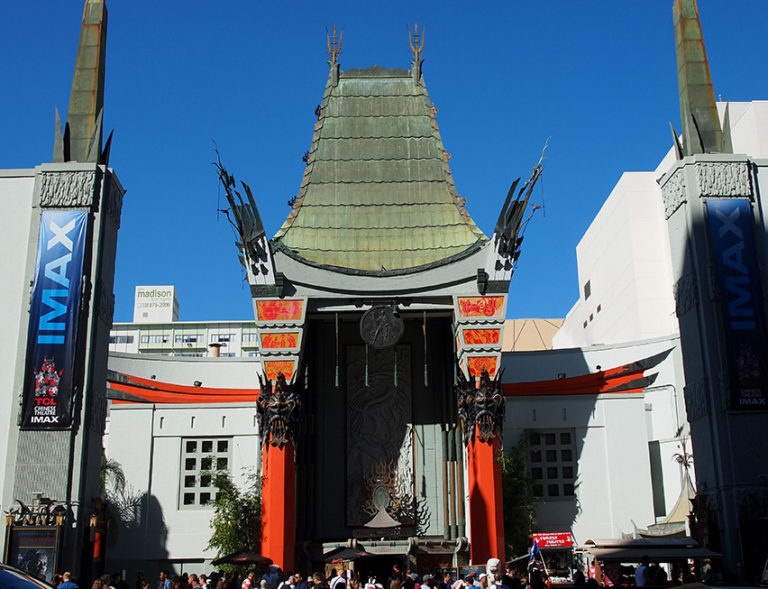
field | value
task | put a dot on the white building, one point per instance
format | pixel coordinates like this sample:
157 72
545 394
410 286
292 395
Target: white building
624 262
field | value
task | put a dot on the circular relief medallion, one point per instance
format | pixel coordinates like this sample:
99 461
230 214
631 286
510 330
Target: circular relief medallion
381 327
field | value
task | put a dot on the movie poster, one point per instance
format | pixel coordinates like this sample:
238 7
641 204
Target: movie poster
53 320
738 278
33 550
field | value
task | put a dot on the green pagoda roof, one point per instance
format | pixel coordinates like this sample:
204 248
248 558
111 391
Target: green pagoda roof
377 194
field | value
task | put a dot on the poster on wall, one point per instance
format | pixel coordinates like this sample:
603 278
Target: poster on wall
732 242
33 550
53 320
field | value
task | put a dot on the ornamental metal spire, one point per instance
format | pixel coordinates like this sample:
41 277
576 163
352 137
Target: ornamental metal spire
81 139
416 41
701 124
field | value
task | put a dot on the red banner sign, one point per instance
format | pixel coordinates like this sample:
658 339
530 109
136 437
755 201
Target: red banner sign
554 539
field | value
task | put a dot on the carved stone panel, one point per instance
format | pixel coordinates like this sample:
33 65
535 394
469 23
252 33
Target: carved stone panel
697 398
673 193
723 179
106 305
114 203
380 483
686 294
68 189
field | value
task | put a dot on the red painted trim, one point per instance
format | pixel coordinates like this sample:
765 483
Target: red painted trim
605 381
486 504
278 505
153 391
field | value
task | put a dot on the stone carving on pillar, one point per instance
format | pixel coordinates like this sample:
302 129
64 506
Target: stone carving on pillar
696 398
480 405
686 294
673 193
67 189
278 409
114 202
723 179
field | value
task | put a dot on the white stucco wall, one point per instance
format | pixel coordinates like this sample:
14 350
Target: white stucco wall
146 439
624 255
612 433
16 192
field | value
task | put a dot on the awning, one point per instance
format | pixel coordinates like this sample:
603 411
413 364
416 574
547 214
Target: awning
657 553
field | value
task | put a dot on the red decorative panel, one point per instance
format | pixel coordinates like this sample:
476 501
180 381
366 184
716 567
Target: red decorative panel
477 363
481 306
482 336
279 340
274 366
275 310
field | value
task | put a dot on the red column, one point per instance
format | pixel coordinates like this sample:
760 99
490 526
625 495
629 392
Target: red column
486 516
278 505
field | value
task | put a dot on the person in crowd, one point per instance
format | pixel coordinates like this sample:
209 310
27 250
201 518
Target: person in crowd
164 582
339 581
248 581
641 573
300 582
318 581
66 582
288 583
272 576
193 581
98 584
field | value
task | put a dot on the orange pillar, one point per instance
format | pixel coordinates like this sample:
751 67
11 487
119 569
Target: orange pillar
278 505
486 516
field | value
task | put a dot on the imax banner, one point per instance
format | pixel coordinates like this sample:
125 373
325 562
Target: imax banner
53 320
738 277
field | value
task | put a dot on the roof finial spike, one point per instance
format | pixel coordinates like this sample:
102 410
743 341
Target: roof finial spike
416 41
334 45
701 123
334 50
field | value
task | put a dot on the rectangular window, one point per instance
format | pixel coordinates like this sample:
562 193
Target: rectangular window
552 464
200 458
186 338
587 289
218 338
120 339
154 339
250 337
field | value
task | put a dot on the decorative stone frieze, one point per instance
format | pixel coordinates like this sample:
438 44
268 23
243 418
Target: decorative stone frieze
113 203
697 398
673 193
106 306
723 179
97 415
67 189
278 408
686 294
482 406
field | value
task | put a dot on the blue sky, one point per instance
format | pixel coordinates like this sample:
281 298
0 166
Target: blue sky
597 77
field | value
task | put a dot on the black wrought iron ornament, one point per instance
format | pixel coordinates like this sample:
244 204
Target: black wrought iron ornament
480 405
278 408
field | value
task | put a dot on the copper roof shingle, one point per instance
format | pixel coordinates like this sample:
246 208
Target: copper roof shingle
377 193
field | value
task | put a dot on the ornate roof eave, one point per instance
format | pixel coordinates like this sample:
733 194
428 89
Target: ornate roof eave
455 275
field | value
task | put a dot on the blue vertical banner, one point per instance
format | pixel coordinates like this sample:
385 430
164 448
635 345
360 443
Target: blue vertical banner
53 320
737 272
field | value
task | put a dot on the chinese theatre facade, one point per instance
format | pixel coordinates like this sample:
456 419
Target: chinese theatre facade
380 307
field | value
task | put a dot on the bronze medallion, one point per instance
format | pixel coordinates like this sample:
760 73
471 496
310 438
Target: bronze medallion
381 327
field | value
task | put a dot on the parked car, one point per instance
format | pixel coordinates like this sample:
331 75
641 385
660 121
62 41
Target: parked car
13 578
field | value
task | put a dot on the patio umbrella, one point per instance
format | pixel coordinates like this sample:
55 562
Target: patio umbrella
242 557
344 554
